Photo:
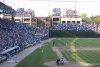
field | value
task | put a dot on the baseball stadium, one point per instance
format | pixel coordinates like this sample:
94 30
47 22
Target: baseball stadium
26 40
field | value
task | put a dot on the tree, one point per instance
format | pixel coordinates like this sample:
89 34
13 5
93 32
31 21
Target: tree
92 19
84 17
97 19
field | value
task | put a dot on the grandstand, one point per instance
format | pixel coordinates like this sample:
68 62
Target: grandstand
6 12
11 35
12 39
14 36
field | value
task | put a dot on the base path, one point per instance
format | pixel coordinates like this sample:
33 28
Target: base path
59 54
67 63
53 64
88 48
74 50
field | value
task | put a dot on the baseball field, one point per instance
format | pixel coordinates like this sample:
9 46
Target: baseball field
78 52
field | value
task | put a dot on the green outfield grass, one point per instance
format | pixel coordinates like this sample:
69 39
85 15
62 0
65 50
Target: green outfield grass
88 42
37 58
80 42
90 56
87 56
62 41
68 55
94 66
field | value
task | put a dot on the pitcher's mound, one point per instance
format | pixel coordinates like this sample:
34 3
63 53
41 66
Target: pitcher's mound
53 64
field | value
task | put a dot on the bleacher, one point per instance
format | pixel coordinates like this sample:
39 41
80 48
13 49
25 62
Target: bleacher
75 30
15 37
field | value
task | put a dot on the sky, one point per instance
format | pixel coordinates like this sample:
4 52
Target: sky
43 7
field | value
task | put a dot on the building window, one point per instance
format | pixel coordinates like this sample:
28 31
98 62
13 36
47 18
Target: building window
73 21
63 21
68 21
55 19
78 21
17 20
26 19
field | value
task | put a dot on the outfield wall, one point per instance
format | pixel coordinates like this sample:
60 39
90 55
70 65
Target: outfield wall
64 33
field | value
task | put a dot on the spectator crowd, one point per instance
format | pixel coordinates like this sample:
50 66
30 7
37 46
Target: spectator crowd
77 27
18 34
15 35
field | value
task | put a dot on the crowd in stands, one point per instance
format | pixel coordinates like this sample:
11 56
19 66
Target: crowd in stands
17 34
77 27
5 8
